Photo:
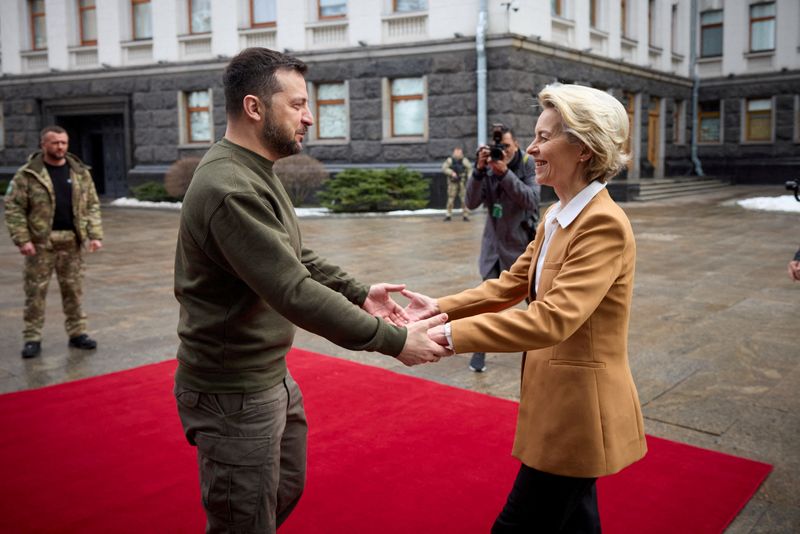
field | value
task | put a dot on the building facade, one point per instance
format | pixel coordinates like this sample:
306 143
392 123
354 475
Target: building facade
137 83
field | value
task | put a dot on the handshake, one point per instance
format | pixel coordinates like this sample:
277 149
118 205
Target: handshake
426 340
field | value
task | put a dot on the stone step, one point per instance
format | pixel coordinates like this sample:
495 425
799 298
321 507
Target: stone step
669 188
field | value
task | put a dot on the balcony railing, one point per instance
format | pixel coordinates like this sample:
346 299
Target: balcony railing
137 52
405 26
326 33
261 37
83 57
195 46
34 61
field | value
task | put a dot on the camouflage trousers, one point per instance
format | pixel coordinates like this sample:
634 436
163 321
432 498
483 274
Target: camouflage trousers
456 189
62 255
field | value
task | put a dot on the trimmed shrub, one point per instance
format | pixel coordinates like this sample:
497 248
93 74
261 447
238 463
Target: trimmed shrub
152 192
178 177
301 176
360 190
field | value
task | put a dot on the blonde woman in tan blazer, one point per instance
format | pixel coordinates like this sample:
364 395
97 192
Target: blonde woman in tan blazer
579 414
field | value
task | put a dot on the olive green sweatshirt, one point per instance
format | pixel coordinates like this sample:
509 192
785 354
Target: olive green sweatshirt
244 281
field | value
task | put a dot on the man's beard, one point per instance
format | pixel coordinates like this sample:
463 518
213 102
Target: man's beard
277 141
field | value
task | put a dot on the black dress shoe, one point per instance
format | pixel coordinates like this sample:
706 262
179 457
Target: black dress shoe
31 349
83 342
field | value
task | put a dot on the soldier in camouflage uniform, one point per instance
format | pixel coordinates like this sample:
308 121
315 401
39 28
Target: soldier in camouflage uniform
51 210
456 169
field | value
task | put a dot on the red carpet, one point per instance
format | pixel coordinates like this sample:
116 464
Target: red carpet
388 453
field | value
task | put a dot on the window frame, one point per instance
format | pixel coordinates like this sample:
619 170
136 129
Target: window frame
746 113
704 27
674 29
679 122
186 136
394 8
594 19
345 102
320 16
763 19
191 20
269 24
623 19
710 114
651 23
81 10
404 98
33 15
134 3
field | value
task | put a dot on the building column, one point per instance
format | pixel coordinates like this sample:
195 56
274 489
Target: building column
165 30
224 34
10 37
57 24
108 34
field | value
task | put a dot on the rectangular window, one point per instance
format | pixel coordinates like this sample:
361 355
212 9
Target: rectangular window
141 19
408 107
623 17
332 111
679 123
651 22
594 20
709 117
556 8
199 16
674 29
198 116
87 14
762 27
711 33
262 13
406 6
38 30
758 119
332 9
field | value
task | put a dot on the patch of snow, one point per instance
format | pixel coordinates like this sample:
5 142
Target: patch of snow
301 212
786 203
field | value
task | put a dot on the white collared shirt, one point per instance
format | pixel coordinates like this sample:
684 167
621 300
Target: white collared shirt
564 215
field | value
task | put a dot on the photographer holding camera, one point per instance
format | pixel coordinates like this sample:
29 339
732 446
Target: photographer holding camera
503 181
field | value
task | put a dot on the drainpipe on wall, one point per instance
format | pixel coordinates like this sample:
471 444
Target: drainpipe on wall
698 167
480 48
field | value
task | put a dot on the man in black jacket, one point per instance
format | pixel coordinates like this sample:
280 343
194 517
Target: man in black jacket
507 187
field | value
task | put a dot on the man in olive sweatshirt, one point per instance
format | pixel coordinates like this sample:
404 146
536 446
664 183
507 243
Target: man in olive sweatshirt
244 282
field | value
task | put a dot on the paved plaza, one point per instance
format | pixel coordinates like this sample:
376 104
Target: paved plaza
714 340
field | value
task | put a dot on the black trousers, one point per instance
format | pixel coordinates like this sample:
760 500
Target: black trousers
543 502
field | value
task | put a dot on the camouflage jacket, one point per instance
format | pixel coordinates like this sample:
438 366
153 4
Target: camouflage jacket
30 202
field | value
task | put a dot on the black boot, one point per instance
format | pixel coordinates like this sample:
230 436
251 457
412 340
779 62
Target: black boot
31 349
83 342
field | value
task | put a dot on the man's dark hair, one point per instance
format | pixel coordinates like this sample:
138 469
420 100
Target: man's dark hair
52 128
252 72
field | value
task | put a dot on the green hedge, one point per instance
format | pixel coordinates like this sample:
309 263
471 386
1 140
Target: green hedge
152 192
362 190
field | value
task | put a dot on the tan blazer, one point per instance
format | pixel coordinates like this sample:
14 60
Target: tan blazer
579 412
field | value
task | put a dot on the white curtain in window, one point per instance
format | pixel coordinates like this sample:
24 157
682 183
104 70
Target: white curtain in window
762 32
403 6
332 8
201 16
142 21
263 11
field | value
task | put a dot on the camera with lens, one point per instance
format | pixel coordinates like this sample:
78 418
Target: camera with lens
794 186
497 148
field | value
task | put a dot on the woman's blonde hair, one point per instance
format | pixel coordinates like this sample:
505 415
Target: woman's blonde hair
595 119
